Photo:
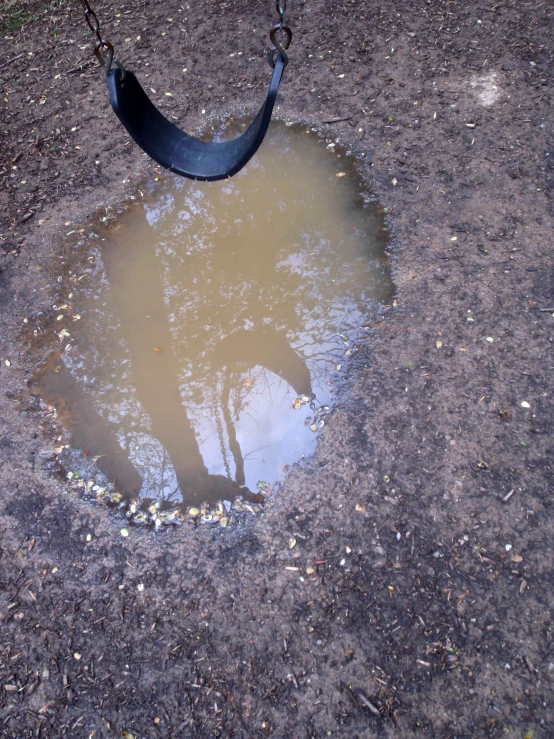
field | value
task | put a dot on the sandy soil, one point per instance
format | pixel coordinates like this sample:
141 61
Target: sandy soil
417 601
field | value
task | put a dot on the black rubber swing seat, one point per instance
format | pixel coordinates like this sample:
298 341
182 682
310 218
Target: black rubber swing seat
176 150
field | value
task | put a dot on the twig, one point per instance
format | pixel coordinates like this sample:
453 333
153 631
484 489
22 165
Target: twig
368 704
357 697
5 64
546 310
80 66
337 120
507 497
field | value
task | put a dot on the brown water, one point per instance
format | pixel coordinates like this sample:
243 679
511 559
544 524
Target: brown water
216 320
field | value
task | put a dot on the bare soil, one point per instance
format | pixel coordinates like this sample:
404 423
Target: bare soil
417 601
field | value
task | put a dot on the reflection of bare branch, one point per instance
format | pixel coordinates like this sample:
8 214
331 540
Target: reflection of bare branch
250 455
231 433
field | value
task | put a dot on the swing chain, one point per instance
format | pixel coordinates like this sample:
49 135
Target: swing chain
103 49
282 28
281 6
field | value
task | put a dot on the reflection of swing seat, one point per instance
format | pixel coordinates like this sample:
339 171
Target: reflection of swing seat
176 150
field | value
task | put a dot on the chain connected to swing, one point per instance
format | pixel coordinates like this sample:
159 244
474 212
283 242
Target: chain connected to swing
102 46
281 27
167 144
104 50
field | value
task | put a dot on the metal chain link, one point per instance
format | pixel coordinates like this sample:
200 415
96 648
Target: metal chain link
281 6
283 29
103 49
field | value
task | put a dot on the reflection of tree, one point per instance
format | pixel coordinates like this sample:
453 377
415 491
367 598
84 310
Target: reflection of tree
300 274
89 431
131 266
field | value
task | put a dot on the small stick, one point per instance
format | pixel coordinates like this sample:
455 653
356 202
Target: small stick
368 704
546 310
5 64
506 498
80 66
338 120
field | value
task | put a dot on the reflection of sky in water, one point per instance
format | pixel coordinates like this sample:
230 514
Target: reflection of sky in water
284 247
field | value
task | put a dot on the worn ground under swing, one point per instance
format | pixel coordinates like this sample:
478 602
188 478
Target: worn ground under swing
416 601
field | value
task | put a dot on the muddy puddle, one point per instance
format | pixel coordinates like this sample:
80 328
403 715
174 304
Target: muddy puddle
204 334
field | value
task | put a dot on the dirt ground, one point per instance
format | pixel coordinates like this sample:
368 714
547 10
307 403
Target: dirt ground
417 601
